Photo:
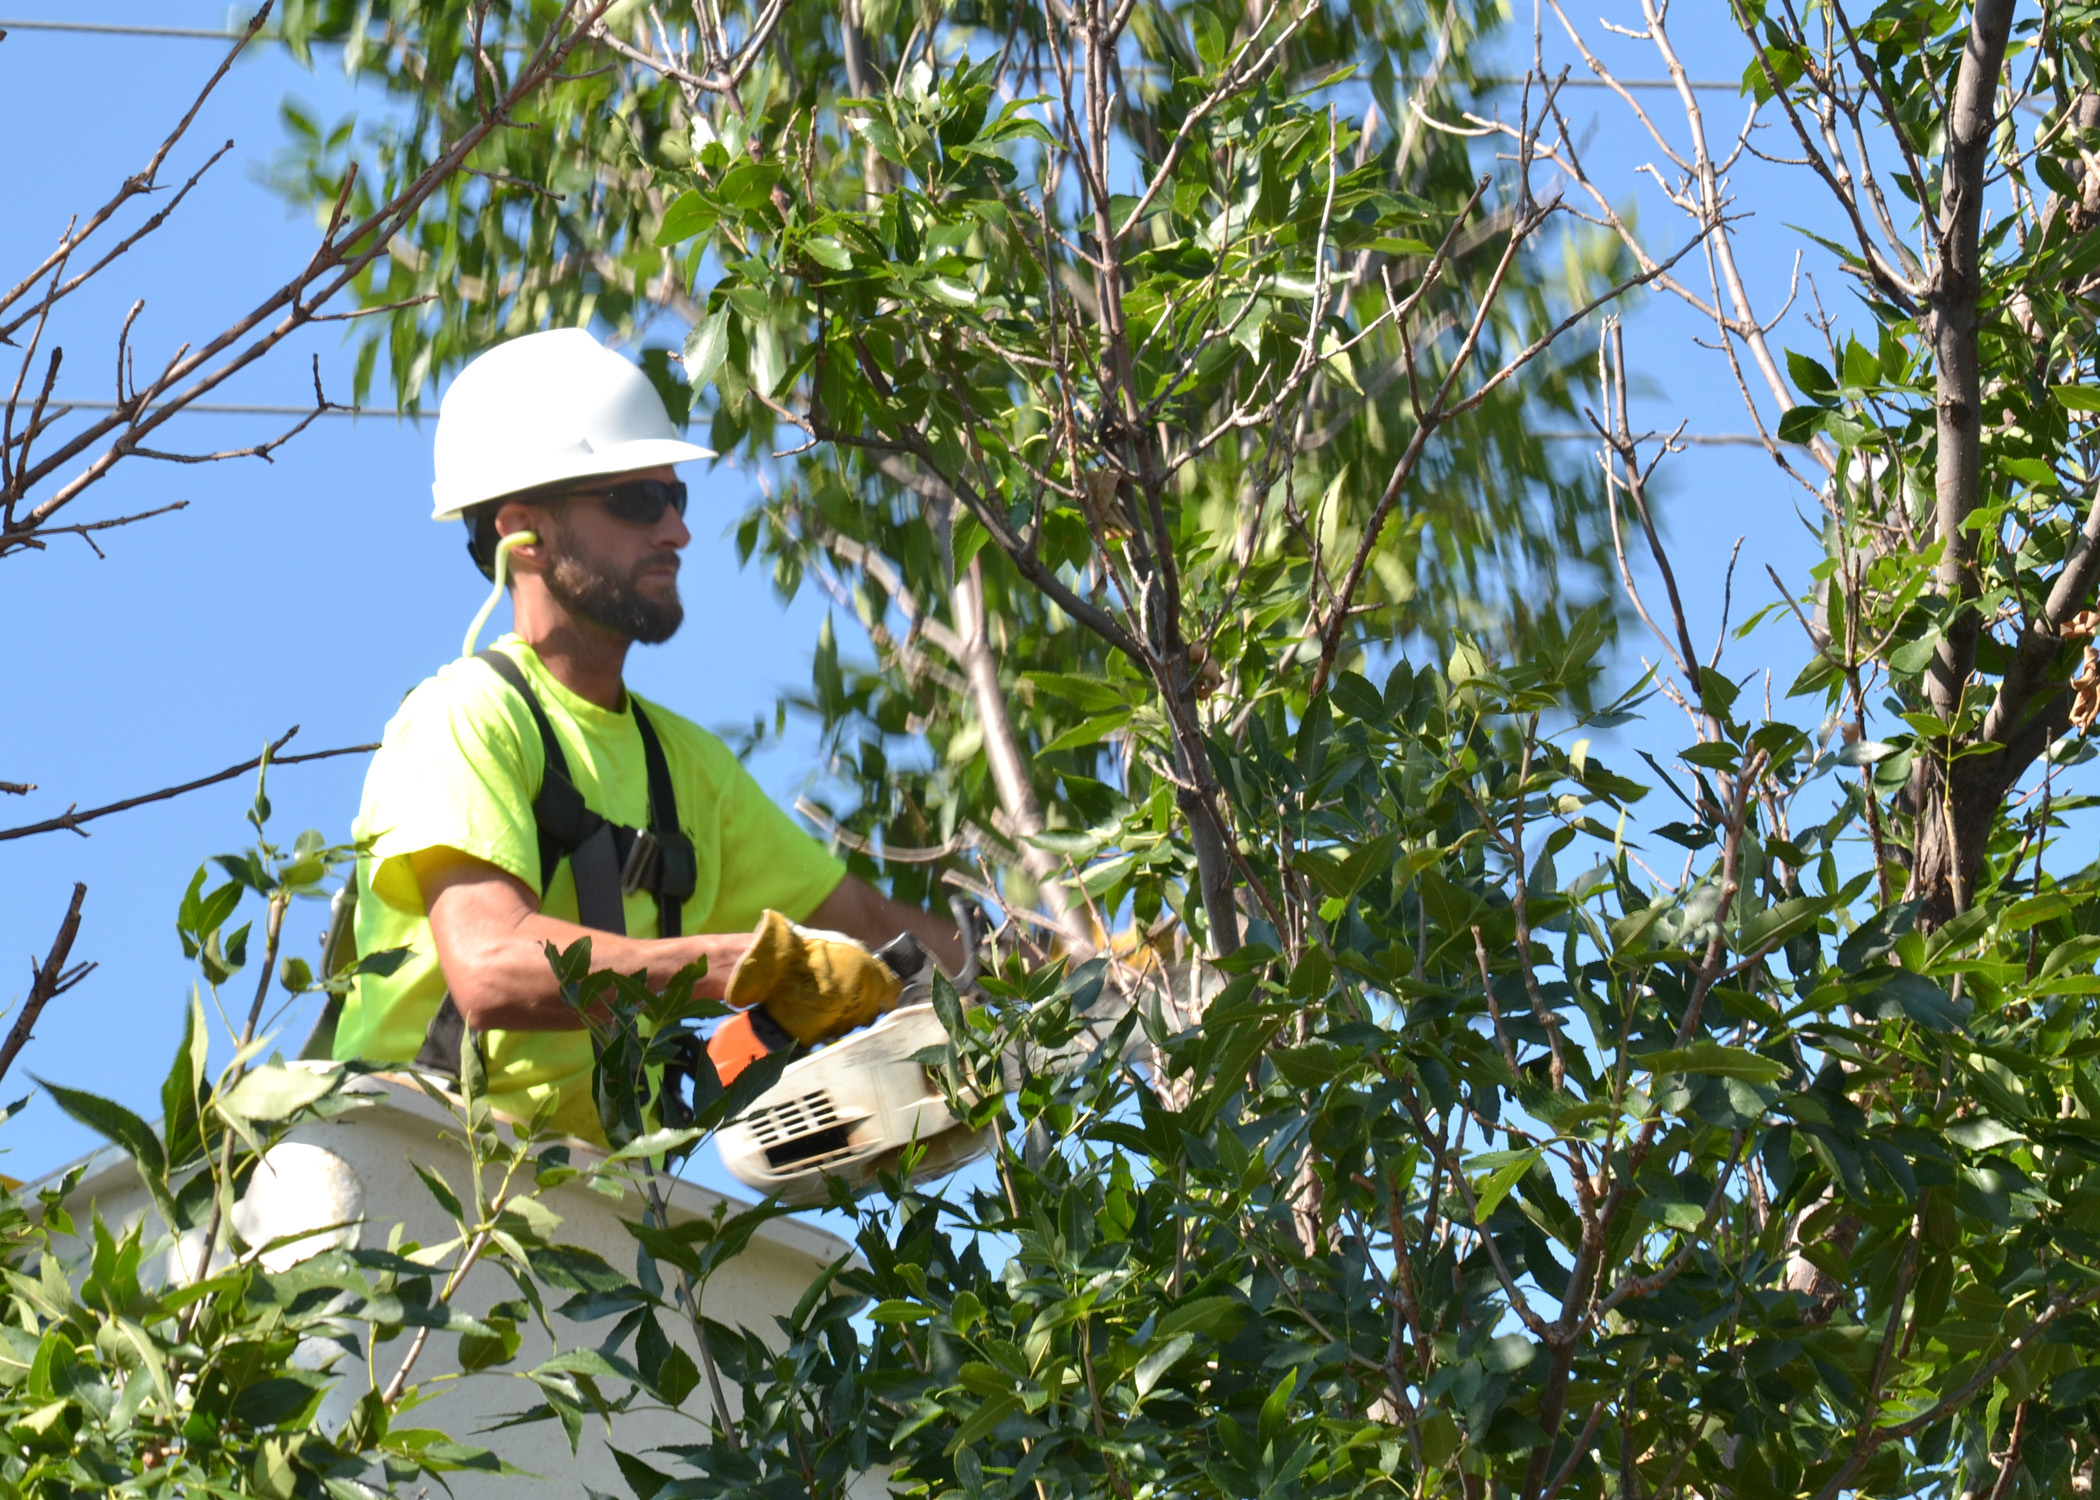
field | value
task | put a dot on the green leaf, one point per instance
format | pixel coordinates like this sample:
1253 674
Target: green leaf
1358 699
1982 1134
1862 365
677 1376
1717 694
593 1362
2073 953
1090 693
1091 732
2077 397
1779 922
1913 657
688 215
1811 377
278 1093
182 1090
2030 470
1712 1057
896 1310
1864 753
980 1423
1713 756
1159 1359
115 1123
1903 993
440 1190
382 963
1801 423
1509 1167
749 185
706 347
655 1143
1199 1315
640 1477
829 252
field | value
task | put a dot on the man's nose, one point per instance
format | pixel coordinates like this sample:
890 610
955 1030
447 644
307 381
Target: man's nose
672 531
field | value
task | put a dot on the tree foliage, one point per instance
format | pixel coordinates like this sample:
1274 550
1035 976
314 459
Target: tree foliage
1448 1105
1176 351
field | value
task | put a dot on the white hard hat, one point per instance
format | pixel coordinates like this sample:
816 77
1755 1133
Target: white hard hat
544 408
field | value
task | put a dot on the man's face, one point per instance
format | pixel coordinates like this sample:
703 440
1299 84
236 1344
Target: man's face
616 573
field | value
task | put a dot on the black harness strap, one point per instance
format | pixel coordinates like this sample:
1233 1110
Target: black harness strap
607 860
558 808
673 870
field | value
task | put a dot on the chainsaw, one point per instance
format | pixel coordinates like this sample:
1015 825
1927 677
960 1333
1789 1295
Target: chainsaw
855 1108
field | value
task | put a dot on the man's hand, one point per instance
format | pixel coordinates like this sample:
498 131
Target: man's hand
816 985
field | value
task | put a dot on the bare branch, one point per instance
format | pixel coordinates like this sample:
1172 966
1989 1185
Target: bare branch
70 820
334 267
85 529
51 979
145 180
57 293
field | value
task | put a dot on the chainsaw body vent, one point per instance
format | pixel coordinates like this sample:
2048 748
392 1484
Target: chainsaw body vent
850 1110
804 1131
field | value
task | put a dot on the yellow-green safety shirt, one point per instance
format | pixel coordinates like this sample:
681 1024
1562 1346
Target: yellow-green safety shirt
458 768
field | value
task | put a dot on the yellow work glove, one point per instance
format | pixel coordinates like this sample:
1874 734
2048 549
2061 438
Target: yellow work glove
817 985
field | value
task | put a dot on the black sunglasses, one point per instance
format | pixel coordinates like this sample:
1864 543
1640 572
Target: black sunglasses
641 501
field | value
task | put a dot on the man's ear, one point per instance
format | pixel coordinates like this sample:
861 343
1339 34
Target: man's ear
514 516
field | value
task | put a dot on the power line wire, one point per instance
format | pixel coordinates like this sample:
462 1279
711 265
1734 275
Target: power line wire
244 409
247 409
105 28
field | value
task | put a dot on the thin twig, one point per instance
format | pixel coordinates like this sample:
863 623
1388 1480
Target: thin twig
70 820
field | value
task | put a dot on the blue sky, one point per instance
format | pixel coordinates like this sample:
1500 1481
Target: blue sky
315 591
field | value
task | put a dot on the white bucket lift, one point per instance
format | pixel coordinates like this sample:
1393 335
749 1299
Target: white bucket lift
364 1162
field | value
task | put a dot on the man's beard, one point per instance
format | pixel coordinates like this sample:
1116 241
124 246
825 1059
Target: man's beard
586 587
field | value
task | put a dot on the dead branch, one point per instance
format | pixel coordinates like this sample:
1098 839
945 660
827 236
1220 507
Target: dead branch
336 264
70 820
902 854
83 529
145 180
58 292
49 980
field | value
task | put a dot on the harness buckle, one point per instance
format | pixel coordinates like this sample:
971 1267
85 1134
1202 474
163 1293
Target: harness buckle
643 858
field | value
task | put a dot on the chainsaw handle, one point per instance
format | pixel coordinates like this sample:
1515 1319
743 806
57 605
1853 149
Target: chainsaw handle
970 920
906 957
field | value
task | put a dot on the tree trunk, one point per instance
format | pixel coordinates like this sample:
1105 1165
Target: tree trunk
1003 751
1948 843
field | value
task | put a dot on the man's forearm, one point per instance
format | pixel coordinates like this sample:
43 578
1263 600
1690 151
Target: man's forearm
492 942
503 980
860 911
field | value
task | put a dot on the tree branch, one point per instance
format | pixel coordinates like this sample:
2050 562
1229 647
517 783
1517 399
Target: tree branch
52 979
70 820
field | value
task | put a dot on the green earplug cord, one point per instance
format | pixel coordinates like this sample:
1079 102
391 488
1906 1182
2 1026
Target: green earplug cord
515 539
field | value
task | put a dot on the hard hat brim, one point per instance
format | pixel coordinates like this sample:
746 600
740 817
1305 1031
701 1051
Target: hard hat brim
493 483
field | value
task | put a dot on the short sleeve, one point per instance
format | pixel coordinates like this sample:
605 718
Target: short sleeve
452 772
768 863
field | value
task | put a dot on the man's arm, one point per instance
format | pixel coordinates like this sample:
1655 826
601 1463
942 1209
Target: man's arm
491 942
860 911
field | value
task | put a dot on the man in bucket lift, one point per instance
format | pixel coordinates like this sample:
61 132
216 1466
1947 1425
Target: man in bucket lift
523 796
